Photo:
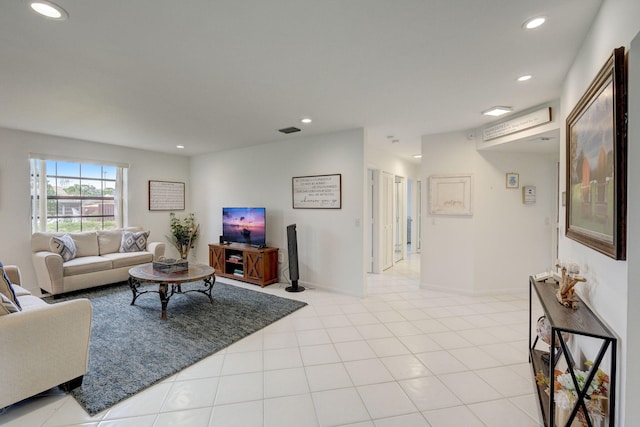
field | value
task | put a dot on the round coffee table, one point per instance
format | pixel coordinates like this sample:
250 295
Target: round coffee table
145 273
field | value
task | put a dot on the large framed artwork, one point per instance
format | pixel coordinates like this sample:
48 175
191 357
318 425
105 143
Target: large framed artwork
450 195
317 191
166 196
596 202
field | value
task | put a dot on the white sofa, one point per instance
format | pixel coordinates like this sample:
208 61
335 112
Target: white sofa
98 260
43 345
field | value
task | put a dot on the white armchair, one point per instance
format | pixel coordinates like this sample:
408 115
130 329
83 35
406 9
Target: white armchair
42 346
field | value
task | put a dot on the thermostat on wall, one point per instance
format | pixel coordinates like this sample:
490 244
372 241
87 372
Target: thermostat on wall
528 194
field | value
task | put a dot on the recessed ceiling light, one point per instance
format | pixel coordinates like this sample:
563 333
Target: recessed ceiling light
49 10
524 78
395 141
306 120
534 22
497 111
180 146
417 156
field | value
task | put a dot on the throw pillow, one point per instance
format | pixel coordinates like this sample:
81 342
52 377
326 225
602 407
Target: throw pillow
6 289
63 245
7 306
134 242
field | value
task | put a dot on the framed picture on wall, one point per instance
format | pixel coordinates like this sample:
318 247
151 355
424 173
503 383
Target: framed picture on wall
512 180
317 191
596 202
166 196
450 195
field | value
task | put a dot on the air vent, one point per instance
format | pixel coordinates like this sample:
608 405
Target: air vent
291 129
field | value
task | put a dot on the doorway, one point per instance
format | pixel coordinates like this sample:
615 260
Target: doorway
414 216
388 201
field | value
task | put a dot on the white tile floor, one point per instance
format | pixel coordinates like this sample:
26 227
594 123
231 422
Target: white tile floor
401 357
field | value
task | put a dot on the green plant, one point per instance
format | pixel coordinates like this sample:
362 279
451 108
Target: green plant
184 233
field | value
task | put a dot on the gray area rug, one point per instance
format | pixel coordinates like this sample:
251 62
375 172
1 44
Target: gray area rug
132 348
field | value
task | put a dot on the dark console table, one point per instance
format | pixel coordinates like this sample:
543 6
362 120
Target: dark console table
580 322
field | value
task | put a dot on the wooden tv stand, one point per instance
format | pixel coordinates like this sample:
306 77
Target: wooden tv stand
244 262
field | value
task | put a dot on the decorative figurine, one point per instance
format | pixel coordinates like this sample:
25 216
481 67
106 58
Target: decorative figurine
565 291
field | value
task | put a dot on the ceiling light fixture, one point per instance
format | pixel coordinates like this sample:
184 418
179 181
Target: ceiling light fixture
534 22
49 10
417 156
524 78
180 146
306 120
497 111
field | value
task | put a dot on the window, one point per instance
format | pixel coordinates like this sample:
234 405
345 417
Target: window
70 196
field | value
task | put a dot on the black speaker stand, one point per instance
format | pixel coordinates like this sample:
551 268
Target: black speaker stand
294 287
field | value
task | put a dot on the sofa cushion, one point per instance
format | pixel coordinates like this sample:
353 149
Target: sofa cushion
85 264
6 289
129 259
7 306
109 241
19 291
134 242
86 242
40 241
30 301
64 246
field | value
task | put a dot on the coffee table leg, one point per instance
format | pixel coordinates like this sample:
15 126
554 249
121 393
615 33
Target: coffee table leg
133 284
208 283
164 299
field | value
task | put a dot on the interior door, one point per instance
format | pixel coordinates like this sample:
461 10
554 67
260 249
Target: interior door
398 219
387 220
418 221
371 222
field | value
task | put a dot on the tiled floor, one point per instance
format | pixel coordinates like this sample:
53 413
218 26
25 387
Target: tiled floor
402 357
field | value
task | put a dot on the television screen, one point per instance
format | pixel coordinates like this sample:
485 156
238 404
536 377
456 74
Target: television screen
244 225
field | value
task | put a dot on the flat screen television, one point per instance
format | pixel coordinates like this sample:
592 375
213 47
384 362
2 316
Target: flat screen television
244 225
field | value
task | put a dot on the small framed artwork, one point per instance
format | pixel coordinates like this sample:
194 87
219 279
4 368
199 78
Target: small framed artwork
512 180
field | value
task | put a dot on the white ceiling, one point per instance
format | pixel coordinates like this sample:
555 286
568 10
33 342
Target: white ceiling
218 74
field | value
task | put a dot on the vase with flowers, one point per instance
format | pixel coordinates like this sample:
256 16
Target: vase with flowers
566 396
184 233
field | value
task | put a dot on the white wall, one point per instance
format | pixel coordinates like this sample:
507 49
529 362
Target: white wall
330 241
607 288
504 241
15 213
